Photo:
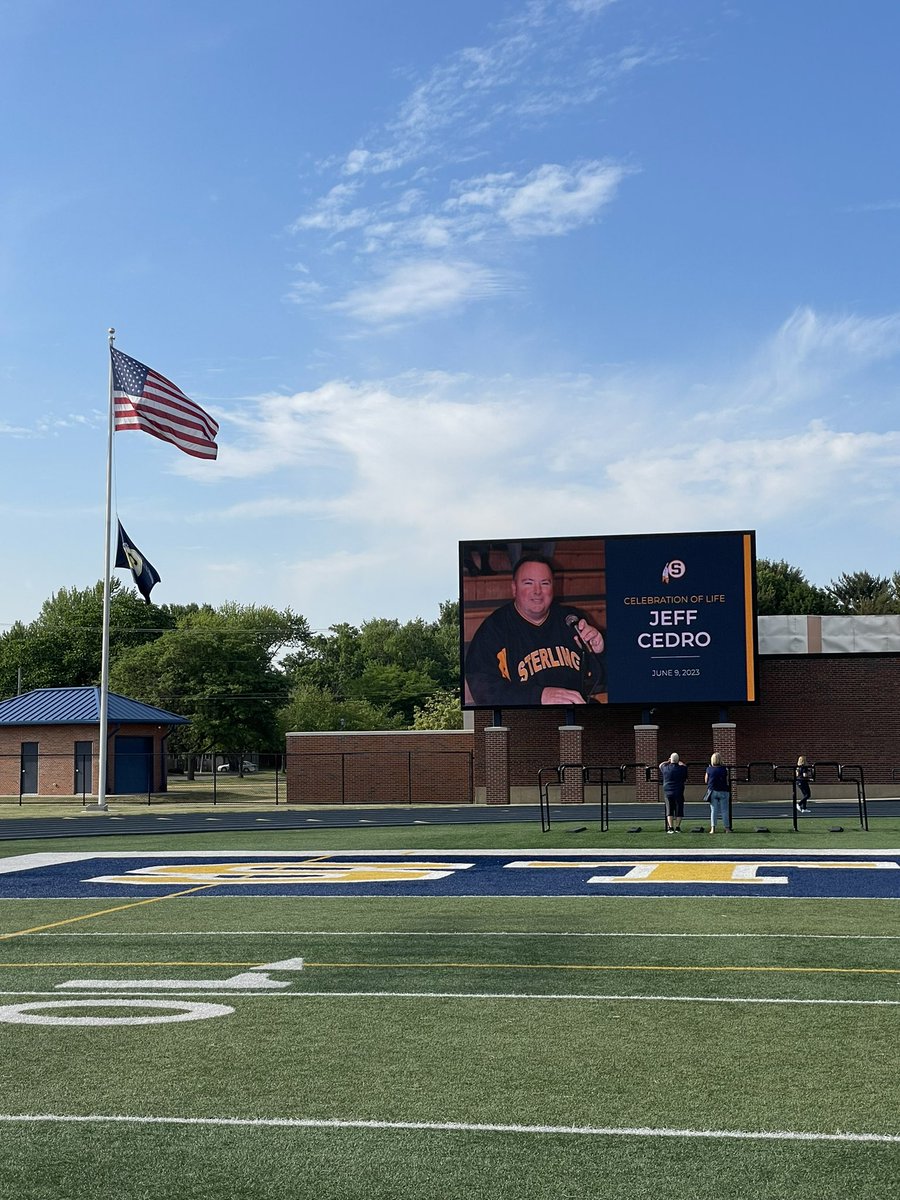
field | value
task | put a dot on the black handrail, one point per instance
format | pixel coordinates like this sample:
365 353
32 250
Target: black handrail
544 796
600 775
859 780
844 772
559 771
648 771
588 776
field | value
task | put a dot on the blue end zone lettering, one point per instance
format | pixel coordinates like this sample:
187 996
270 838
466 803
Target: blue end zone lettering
452 873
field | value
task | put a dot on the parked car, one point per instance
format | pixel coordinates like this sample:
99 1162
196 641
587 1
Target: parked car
247 768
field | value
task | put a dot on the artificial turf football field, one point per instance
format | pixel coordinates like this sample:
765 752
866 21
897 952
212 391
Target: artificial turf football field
265 1016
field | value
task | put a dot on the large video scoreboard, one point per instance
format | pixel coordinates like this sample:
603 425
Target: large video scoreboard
645 619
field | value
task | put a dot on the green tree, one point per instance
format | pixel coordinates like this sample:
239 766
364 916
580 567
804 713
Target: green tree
440 711
413 646
783 590
315 709
390 687
864 593
329 661
391 665
217 667
62 647
447 634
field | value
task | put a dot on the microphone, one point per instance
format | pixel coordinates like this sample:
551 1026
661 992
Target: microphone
590 665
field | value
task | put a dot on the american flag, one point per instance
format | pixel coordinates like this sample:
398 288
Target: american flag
144 400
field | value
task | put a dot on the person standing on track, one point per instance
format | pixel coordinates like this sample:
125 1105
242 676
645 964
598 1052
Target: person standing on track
674 774
717 790
802 771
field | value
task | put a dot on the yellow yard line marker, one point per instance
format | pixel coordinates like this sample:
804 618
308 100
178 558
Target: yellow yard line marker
103 912
601 967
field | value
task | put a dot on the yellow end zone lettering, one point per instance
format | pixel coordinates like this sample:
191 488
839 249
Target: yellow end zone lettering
696 870
316 870
692 872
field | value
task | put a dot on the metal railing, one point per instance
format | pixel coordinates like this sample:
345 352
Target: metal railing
757 771
603 775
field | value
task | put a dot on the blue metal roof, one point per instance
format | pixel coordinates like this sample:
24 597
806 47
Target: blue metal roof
80 706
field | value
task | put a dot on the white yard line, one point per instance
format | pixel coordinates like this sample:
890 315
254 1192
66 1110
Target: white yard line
567 997
773 1135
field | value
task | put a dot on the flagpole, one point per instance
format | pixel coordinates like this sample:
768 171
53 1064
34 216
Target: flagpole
107 568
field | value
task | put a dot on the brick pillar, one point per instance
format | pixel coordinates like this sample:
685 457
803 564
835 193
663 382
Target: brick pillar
570 740
724 737
646 750
496 764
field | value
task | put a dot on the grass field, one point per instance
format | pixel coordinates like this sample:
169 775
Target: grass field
497 1046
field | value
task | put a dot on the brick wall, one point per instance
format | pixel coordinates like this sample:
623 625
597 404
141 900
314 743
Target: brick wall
724 743
842 708
571 750
409 767
646 750
496 764
831 708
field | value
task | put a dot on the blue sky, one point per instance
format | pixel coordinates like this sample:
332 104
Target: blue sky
496 269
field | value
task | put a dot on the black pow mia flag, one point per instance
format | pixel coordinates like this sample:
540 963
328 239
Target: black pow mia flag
144 572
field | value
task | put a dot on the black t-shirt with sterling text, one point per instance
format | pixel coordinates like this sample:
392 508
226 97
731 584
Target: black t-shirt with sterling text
510 661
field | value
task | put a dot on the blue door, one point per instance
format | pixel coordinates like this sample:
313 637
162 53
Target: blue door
133 765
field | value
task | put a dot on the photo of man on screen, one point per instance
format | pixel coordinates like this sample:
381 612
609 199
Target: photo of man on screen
534 650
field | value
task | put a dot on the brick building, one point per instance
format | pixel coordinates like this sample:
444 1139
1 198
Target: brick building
49 743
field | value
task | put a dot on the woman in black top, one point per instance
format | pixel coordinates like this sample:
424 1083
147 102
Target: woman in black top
802 772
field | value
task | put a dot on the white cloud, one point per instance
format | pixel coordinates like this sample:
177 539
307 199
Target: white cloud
397 472
448 429
303 288
331 214
877 206
750 480
524 66
405 189
419 289
356 161
550 200
432 231
807 361
589 6
807 336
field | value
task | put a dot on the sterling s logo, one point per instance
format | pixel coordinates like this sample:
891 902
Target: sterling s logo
673 570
